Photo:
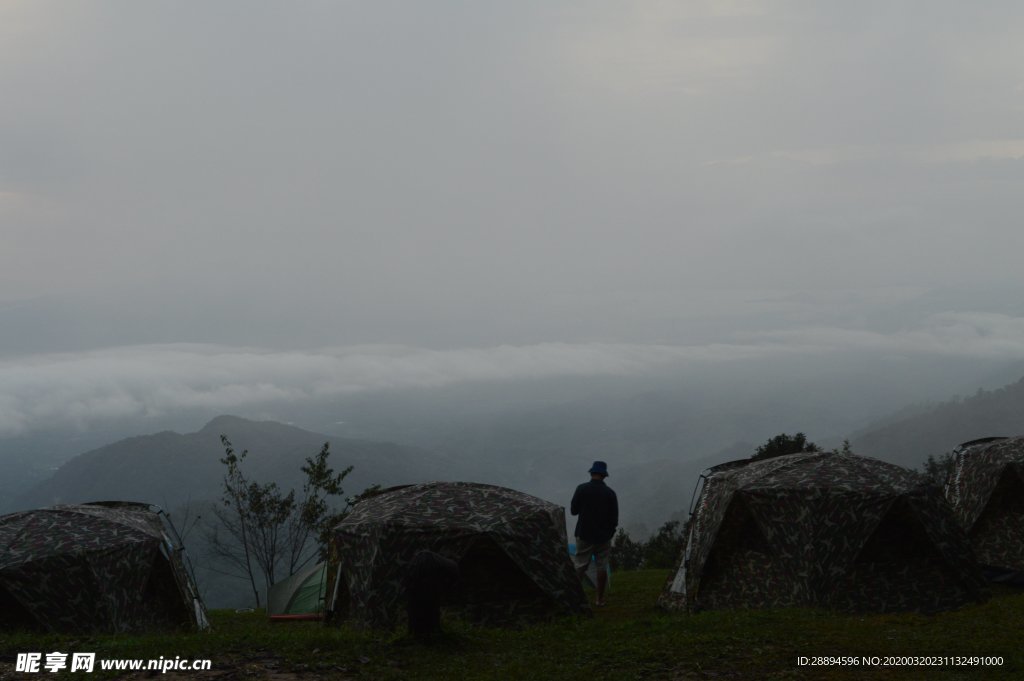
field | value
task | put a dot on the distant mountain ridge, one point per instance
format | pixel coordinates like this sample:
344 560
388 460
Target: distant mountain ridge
656 446
170 469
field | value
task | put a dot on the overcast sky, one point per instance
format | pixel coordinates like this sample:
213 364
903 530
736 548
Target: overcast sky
474 177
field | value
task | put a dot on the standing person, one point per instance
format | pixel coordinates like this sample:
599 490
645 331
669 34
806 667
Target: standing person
598 508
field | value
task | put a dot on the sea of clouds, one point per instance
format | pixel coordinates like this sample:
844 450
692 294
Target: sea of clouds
78 389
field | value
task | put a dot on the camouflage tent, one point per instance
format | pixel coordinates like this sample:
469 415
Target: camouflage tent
510 548
104 567
823 530
986 490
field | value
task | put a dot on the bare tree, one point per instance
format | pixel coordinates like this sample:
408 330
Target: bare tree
185 517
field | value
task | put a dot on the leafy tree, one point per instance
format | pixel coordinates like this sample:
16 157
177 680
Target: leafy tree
331 520
627 554
313 517
783 444
262 530
938 468
663 549
846 448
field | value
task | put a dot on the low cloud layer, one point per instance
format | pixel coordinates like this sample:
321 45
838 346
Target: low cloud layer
77 388
81 389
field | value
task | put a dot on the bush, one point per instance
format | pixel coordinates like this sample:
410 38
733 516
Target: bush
659 552
663 549
783 444
626 553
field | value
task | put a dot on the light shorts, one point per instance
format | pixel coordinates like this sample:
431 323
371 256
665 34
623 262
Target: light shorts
584 550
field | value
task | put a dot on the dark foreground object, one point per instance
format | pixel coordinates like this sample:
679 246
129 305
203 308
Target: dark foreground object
431 579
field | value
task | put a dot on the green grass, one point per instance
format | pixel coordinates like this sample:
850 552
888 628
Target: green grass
628 639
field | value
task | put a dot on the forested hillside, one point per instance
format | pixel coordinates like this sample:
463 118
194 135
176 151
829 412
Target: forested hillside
933 431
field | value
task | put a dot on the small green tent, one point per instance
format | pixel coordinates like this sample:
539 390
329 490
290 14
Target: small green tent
299 597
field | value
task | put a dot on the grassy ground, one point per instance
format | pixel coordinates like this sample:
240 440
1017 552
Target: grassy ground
628 639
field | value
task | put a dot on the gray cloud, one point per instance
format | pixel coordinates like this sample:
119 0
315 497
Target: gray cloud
79 389
975 335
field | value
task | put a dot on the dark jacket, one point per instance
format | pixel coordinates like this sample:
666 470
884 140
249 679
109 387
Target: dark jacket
598 508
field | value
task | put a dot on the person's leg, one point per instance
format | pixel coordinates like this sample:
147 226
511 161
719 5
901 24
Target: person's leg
581 560
601 554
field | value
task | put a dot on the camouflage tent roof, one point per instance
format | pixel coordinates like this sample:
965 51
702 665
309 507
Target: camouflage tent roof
821 529
986 490
109 567
511 548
